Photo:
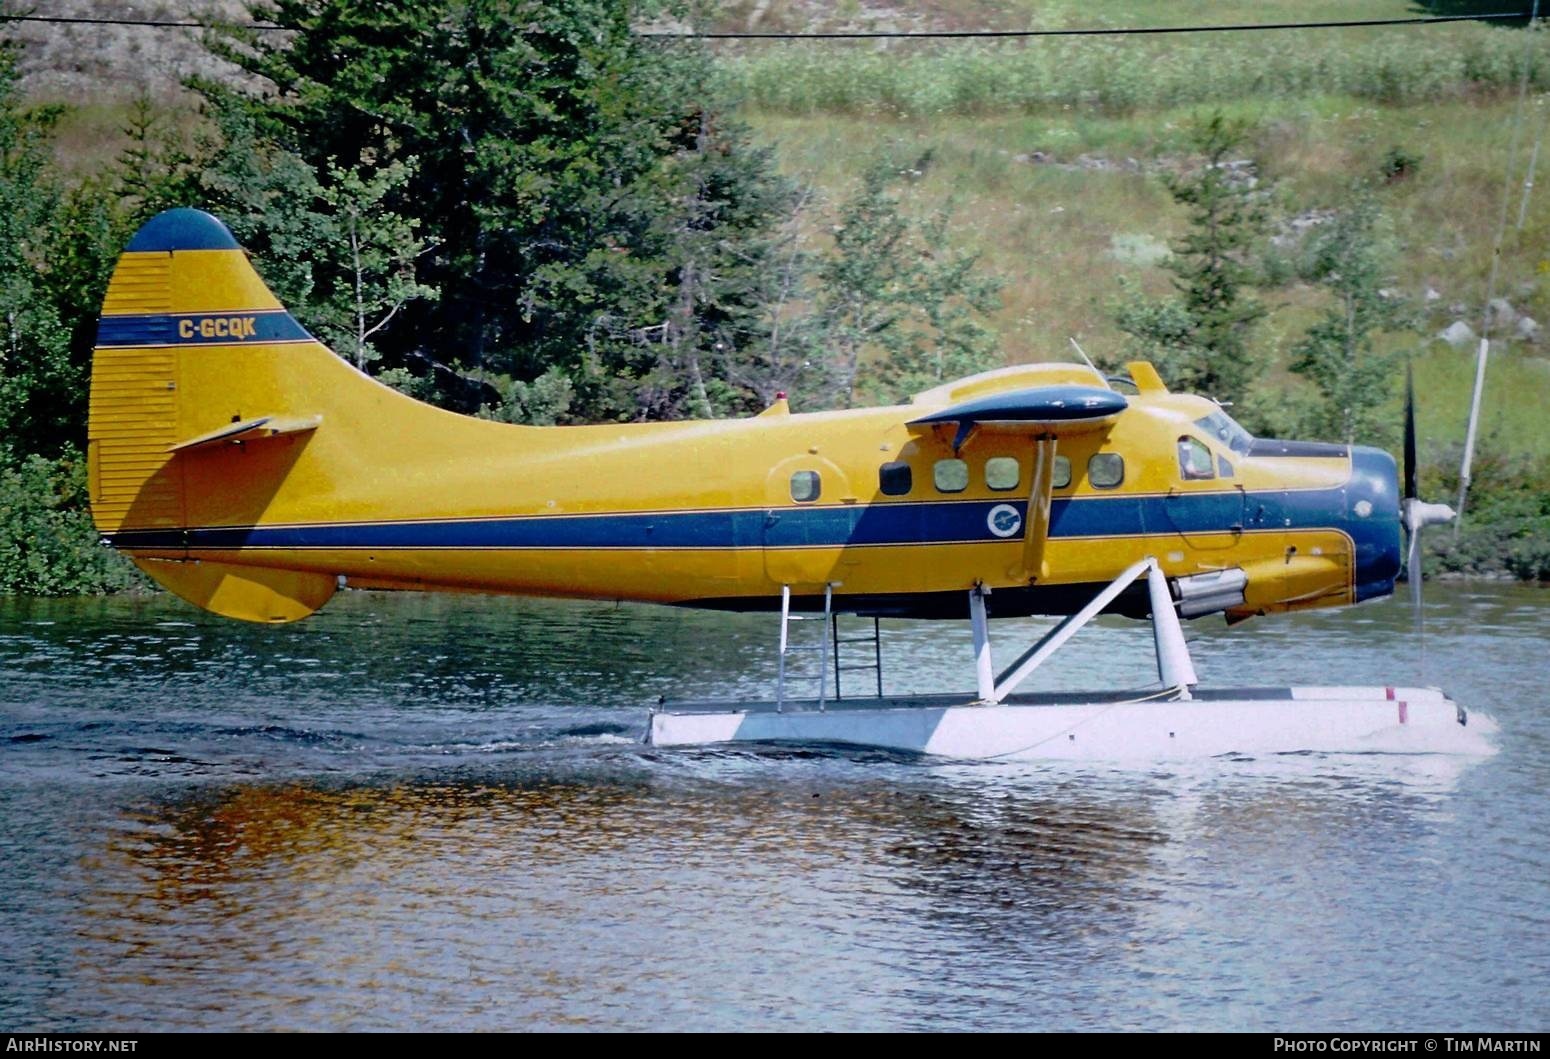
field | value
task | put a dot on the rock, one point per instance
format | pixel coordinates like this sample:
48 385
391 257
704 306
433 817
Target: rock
1293 229
1387 293
1501 313
1431 295
1527 329
1457 309
1457 334
1137 248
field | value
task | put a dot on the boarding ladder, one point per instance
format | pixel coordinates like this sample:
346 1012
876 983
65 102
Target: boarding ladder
828 646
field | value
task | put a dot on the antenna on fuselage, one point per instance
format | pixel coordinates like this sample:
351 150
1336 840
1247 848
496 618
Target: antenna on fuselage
1082 353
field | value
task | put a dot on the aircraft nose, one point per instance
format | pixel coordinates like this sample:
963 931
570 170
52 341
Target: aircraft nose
1372 519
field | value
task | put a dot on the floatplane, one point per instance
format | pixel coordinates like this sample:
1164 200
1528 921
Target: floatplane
252 472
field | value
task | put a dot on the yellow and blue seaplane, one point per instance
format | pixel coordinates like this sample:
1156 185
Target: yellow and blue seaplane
252 472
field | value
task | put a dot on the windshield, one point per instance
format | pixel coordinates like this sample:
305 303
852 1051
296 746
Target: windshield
1221 426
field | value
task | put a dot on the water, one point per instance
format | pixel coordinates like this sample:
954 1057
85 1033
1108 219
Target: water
421 812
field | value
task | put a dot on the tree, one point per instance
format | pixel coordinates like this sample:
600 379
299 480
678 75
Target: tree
708 266
1198 338
1349 258
379 251
890 287
41 387
579 181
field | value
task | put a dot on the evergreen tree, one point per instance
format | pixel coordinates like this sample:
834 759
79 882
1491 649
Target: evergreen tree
579 182
41 386
1349 258
891 290
1198 338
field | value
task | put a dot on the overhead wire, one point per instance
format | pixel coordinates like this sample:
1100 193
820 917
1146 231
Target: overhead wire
942 34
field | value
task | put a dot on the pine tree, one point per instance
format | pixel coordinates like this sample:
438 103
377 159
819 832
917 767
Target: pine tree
1349 258
897 311
1198 338
556 162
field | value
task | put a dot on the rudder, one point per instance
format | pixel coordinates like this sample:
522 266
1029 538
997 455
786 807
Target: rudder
185 288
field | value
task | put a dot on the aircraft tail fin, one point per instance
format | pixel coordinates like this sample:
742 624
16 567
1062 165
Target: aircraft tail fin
204 393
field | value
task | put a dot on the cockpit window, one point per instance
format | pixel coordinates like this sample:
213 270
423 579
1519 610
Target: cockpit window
1195 462
1225 429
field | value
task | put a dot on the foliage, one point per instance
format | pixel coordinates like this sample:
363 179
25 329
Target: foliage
591 206
40 384
1198 339
1399 164
1505 528
379 249
543 402
48 545
1121 75
1349 258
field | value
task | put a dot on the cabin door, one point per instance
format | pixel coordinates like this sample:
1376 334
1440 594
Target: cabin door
809 516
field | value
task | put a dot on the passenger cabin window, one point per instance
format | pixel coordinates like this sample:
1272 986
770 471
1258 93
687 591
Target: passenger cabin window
1002 472
1195 461
894 478
1223 468
1105 470
805 486
951 476
1062 472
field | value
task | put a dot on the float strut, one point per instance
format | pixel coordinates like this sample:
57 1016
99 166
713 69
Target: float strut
1174 666
785 622
1173 662
983 669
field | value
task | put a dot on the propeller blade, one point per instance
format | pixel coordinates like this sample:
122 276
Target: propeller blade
1411 492
1413 567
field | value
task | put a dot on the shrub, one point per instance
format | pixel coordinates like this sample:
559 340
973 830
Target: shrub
48 545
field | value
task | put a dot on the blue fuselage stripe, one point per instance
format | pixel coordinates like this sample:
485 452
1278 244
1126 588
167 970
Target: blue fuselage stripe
859 525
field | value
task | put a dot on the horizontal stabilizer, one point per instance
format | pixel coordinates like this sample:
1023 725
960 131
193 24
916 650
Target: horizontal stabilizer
247 593
250 430
1040 410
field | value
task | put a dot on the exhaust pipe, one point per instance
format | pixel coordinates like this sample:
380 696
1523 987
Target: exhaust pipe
1208 593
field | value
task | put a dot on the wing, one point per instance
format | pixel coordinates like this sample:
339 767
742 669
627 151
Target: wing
1041 410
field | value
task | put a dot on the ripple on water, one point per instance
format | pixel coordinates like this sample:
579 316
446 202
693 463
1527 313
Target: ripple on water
434 813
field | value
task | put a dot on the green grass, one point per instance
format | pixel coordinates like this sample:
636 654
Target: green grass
1390 65
1328 104
1053 229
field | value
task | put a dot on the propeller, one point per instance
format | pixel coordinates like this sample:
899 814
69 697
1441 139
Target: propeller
1416 513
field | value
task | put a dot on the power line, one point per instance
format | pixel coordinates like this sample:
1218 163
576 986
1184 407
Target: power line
71 20
1003 34
1104 31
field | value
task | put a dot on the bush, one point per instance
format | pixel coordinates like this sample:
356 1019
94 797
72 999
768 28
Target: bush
1506 524
48 545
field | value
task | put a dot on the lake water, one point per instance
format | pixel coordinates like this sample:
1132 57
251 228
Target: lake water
435 813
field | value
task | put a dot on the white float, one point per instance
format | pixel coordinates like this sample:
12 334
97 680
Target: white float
1179 721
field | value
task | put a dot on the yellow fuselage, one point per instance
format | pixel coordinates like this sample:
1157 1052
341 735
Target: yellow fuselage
383 491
